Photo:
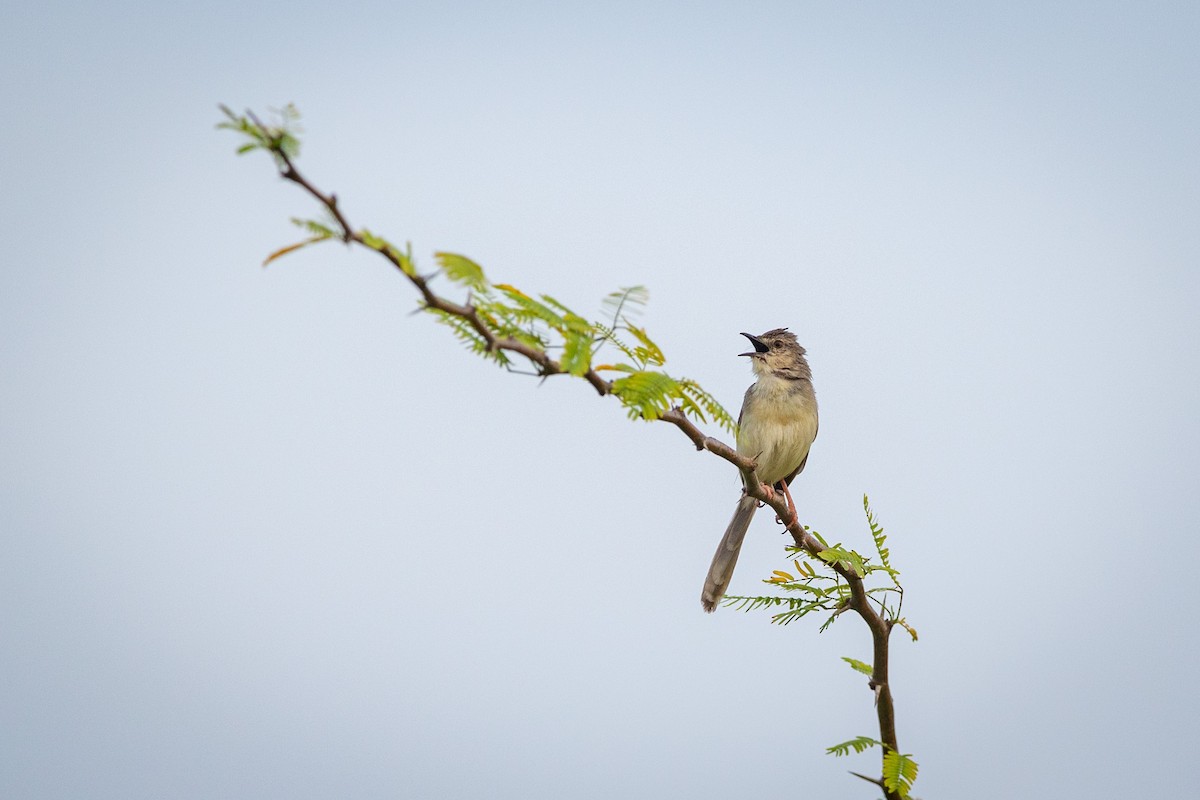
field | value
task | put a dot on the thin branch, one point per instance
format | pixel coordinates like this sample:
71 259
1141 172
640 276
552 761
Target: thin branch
860 601
545 364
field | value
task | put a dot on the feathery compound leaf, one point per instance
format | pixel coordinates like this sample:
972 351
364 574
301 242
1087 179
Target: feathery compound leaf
646 394
697 399
880 539
577 344
469 336
846 558
242 124
649 394
798 607
314 227
742 603
628 297
832 618
280 139
899 772
462 270
402 258
860 666
288 116
649 353
858 744
528 309
815 591
550 301
609 336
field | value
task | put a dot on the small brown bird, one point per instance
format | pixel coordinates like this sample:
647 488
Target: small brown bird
776 428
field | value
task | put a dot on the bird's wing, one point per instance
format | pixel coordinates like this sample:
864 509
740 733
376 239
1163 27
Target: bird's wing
800 468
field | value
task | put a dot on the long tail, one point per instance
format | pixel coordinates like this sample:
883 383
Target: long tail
721 571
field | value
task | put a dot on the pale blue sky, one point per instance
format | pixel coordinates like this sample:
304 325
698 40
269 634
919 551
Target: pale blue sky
263 534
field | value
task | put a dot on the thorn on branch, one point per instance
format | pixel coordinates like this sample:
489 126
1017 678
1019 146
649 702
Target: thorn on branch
333 208
878 782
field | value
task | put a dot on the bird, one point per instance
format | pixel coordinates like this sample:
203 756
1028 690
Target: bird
776 427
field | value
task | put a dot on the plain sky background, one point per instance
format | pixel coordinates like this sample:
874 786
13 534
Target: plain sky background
265 534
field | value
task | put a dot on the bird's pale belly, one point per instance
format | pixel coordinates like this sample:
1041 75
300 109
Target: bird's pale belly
778 439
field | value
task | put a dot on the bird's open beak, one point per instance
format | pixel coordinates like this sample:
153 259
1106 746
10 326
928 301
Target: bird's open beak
759 347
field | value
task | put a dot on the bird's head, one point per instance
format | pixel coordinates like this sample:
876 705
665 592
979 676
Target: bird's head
777 353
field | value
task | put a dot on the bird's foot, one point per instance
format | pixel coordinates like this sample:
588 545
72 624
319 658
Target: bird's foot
793 517
770 496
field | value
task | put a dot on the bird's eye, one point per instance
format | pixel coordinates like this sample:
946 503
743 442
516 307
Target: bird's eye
775 345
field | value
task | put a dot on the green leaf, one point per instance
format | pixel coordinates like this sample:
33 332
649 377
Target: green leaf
280 139
317 228
287 144
577 345
861 666
858 744
848 559
402 259
899 772
750 603
609 336
627 297
550 301
465 333
462 270
704 403
646 394
798 607
878 537
530 309
649 353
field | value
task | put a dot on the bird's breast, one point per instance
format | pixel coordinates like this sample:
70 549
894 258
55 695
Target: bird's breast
777 430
